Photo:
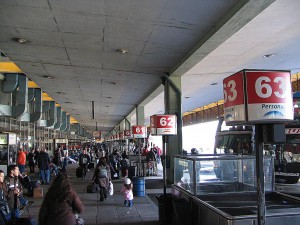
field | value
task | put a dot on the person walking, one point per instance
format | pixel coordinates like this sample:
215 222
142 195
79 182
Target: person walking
44 166
21 160
31 161
60 203
84 160
127 191
102 177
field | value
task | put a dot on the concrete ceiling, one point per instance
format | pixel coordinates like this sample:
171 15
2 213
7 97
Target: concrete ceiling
77 42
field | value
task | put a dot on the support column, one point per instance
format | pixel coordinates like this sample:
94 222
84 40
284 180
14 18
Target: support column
173 106
140 115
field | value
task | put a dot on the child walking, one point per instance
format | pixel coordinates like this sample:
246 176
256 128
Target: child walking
127 190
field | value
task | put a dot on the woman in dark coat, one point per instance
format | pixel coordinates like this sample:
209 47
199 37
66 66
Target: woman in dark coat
60 203
102 177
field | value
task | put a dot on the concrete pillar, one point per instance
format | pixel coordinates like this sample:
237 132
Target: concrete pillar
173 106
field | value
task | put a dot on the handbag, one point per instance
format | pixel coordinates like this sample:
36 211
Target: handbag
92 188
5 212
79 220
111 188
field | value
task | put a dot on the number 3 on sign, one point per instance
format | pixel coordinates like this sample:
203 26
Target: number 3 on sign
264 90
232 93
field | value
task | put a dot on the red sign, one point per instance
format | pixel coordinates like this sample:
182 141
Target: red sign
163 124
127 134
268 86
234 98
267 97
121 136
233 90
292 131
139 131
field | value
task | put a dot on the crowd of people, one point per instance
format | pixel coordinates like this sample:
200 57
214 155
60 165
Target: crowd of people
61 202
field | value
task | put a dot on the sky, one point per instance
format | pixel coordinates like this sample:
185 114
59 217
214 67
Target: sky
199 136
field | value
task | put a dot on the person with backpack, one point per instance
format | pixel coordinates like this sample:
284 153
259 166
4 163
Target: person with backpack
124 165
84 160
102 177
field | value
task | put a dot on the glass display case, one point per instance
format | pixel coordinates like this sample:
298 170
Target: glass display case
216 174
8 150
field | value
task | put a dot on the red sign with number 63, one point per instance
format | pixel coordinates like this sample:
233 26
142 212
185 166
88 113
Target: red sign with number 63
258 96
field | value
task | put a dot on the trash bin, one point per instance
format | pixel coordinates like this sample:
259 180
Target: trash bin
164 208
131 172
138 186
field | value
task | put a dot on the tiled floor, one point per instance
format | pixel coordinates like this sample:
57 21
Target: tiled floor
111 211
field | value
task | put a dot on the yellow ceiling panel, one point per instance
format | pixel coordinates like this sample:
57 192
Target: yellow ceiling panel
46 97
9 67
73 120
32 84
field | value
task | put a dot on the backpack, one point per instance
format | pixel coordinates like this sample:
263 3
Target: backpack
102 172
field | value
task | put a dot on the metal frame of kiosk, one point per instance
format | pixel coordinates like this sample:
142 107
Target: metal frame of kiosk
221 190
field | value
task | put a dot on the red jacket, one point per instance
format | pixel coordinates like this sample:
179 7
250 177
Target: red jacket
22 158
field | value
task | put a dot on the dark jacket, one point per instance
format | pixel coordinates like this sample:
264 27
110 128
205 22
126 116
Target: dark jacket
12 183
44 161
84 159
53 212
31 157
103 182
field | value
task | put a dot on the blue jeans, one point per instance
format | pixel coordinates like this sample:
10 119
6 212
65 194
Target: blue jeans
45 175
21 168
128 203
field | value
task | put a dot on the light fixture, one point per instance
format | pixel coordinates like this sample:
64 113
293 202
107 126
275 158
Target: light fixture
212 84
187 97
93 109
60 92
20 40
296 106
269 55
122 51
68 102
48 76
113 83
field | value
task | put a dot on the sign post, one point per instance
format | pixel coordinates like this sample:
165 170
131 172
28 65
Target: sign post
139 132
164 125
258 97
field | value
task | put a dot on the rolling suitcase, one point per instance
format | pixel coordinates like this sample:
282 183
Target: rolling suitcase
79 172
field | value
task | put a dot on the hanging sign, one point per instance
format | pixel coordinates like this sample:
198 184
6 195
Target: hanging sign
234 99
139 131
252 96
292 130
163 124
127 134
97 134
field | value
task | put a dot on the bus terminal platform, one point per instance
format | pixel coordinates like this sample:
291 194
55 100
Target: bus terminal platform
111 211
